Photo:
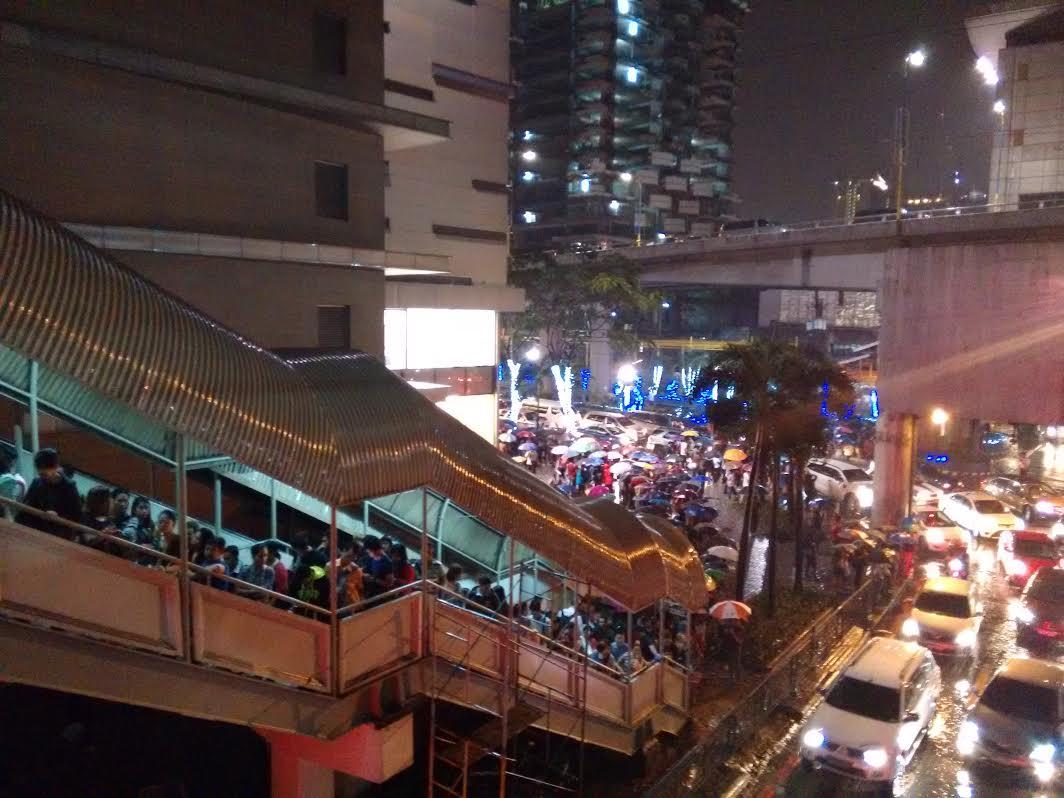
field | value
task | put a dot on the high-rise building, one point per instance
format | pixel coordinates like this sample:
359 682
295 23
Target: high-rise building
1020 45
293 169
622 120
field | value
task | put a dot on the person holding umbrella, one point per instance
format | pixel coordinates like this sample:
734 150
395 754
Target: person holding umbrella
732 617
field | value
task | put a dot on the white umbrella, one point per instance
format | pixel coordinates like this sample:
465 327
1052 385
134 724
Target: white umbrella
723 553
506 437
559 450
614 456
599 453
621 468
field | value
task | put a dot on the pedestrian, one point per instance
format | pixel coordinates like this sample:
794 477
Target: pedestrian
729 482
12 485
54 494
280 572
731 646
257 573
214 563
121 503
141 529
404 571
380 573
98 516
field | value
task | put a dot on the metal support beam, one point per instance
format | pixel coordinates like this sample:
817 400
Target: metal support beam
217 502
334 621
181 510
273 509
35 424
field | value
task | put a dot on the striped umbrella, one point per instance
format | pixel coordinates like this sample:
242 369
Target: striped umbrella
730 611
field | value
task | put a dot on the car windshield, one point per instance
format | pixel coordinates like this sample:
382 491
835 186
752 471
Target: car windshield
1048 585
1022 700
864 698
989 506
856 475
1035 549
943 604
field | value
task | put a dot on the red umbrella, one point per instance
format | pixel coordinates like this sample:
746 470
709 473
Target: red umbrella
526 433
599 490
730 611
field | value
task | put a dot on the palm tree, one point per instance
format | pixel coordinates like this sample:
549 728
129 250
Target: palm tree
779 389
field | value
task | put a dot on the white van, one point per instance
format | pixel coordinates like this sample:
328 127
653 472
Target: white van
635 428
549 411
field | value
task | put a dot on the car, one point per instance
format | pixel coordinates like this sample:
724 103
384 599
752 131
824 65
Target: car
936 532
1037 502
844 482
630 425
945 616
926 496
875 714
1016 722
661 436
1039 611
607 433
980 513
1020 553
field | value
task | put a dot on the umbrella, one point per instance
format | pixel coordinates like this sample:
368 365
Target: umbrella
505 423
599 490
734 455
559 450
689 433
638 480
614 456
641 464
594 461
730 611
723 553
672 459
527 446
506 437
646 457
599 453
518 459
584 445
619 469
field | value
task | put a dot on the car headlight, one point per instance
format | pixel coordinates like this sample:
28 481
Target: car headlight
910 628
875 757
967 737
1043 752
1016 567
1044 507
1044 772
864 495
935 537
965 638
814 738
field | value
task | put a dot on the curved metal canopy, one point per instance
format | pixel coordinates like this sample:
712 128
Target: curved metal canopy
340 427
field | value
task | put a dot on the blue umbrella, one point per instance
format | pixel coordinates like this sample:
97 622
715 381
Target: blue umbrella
594 461
645 457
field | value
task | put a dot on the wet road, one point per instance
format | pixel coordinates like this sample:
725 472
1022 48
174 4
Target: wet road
937 770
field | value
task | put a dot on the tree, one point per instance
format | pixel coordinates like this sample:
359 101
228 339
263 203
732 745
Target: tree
570 304
779 390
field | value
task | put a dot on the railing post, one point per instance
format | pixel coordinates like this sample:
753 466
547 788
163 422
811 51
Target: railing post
217 503
426 560
181 508
334 620
35 424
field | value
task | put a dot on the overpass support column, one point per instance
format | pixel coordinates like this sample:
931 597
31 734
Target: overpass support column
294 777
893 476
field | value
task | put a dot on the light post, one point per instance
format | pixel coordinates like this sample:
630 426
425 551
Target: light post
914 60
637 217
939 417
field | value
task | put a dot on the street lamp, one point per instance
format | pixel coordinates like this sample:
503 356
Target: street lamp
914 60
533 354
999 107
939 417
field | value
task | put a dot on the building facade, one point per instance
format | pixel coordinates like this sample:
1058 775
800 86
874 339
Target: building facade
449 201
255 159
622 120
1024 41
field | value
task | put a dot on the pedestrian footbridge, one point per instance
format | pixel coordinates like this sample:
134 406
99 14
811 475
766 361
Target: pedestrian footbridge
137 389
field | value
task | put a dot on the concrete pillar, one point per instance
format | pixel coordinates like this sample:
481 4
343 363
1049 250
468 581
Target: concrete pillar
893 476
293 777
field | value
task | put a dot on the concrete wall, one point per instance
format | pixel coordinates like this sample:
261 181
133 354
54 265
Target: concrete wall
272 303
975 329
85 143
271 39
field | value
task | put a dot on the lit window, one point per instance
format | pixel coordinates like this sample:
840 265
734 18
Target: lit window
528 177
585 185
632 75
529 217
633 28
529 155
623 6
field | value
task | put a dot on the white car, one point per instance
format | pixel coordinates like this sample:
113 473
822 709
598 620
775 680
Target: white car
629 425
980 513
606 430
926 496
876 713
936 532
844 482
945 616
660 437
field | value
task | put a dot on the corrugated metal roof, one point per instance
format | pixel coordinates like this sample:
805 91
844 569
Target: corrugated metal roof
340 427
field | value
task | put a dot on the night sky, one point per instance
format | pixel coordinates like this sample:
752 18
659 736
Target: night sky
818 86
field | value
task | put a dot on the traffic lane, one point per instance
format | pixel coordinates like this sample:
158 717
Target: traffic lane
937 769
